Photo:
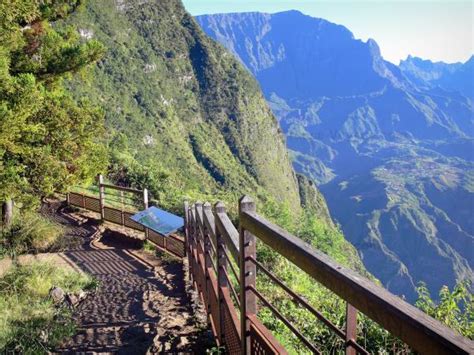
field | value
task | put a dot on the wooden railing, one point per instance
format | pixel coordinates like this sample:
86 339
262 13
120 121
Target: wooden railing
173 244
220 256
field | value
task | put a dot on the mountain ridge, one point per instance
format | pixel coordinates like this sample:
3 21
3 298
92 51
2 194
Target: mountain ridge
369 137
457 76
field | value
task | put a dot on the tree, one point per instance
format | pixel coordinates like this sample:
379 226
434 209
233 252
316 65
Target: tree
48 141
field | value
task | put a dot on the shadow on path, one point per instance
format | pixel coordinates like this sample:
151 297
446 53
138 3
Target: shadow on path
137 308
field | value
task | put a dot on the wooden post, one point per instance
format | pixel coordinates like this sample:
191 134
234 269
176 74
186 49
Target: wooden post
207 256
351 328
207 240
145 198
7 213
198 244
186 230
221 269
248 302
192 243
101 197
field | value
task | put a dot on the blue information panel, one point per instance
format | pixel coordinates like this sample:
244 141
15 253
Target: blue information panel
158 220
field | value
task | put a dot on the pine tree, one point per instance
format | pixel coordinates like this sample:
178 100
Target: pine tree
48 141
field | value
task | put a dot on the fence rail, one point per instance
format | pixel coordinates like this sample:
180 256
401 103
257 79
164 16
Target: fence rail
223 267
171 243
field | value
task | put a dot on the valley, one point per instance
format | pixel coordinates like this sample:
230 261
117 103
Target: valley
390 147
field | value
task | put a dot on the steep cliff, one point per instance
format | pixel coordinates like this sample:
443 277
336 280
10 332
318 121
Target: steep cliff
389 154
182 107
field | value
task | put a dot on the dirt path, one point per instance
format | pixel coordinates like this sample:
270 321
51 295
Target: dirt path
142 304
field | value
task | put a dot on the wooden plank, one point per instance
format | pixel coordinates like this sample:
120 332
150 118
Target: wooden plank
420 331
248 270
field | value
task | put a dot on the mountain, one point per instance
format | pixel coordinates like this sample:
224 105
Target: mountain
392 157
177 102
187 120
458 77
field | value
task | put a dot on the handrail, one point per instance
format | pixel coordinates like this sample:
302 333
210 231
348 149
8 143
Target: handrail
234 272
121 188
415 328
299 299
209 223
229 233
285 321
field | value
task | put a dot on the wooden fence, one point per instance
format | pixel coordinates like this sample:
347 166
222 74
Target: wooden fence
173 244
220 256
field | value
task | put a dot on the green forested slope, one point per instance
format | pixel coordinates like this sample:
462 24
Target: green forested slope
185 119
181 107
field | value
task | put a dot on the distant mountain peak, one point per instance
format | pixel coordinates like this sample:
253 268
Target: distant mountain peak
449 76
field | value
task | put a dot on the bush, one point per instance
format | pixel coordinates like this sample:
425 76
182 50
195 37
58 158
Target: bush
30 233
29 321
455 308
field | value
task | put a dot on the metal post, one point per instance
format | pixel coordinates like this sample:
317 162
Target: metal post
145 205
101 197
248 302
351 328
145 198
221 269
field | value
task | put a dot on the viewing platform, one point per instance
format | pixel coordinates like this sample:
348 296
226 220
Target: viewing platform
223 268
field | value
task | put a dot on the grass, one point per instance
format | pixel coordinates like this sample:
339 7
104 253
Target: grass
30 233
167 258
29 321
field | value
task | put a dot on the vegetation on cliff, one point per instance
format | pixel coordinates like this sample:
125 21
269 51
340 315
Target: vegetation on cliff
186 120
48 141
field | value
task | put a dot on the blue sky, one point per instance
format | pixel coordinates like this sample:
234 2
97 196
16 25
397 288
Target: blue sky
431 29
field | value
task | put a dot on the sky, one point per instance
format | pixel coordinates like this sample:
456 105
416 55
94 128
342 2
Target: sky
439 30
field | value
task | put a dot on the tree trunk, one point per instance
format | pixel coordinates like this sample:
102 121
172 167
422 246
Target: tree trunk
7 213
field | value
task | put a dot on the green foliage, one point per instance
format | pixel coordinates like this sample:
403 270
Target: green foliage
370 335
184 118
29 233
29 322
48 141
455 308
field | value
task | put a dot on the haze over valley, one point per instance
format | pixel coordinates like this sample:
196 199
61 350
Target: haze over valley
391 147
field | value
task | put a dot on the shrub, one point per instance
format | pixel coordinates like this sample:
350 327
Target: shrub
455 308
30 233
29 321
